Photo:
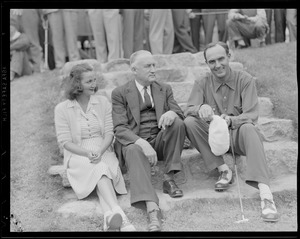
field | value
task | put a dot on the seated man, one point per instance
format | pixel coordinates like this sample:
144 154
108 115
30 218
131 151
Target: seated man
246 24
19 60
148 125
232 95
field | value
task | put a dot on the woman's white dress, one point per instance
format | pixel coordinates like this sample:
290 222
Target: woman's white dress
82 174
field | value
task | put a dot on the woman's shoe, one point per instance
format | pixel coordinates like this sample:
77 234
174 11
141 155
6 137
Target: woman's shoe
127 226
113 222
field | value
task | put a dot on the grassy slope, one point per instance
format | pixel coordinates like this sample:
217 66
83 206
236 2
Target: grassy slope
35 196
275 68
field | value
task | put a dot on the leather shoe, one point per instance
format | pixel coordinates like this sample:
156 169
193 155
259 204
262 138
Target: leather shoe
170 187
269 212
224 180
155 218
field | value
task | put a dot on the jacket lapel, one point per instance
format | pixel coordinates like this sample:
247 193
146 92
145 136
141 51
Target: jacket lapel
133 101
158 98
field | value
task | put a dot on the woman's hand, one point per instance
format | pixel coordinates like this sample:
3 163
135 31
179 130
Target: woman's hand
95 157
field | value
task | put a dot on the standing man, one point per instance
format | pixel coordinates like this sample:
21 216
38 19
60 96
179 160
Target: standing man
148 126
161 31
106 27
63 24
232 95
291 21
209 23
133 30
183 41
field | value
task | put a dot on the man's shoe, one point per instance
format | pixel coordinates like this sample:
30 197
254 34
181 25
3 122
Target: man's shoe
154 220
113 222
269 212
224 180
170 187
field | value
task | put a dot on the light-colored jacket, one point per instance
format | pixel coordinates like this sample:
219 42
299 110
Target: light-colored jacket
67 121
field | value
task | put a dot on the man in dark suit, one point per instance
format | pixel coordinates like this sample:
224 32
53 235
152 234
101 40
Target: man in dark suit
148 126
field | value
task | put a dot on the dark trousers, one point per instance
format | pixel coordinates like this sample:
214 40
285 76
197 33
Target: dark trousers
183 41
168 144
280 24
246 141
133 30
195 29
209 23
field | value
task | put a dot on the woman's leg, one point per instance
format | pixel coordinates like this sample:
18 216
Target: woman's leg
107 192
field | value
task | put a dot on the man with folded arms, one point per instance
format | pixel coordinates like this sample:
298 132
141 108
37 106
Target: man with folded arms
148 126
232 95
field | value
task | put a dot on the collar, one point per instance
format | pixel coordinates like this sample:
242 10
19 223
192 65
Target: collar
141 87
229 82
93 100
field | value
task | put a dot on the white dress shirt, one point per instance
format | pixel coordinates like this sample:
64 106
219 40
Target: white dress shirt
141 90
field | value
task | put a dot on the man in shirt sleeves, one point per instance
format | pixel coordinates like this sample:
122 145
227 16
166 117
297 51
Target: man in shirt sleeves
232 95
148 126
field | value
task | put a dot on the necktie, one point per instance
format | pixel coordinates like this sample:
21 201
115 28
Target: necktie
147 98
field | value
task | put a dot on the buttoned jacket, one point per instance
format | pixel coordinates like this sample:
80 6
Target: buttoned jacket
126 112
67 121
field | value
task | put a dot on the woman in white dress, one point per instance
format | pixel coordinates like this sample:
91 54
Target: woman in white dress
84 128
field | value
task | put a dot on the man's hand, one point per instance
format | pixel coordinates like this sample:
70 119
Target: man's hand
167 119
226 118
148 151
206 112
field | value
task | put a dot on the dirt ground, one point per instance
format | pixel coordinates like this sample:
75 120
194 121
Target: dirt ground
36 196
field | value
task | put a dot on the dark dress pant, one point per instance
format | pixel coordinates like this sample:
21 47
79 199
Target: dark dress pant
168 144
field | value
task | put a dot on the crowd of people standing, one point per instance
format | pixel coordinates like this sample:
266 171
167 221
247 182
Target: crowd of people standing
116 33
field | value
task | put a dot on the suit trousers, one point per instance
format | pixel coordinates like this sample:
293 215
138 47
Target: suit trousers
209 23
195 29
133 31
280 24
168 144
63 26
246 141
161 31
291 20
106 27
183 41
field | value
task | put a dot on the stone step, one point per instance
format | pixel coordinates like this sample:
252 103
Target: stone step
195 180
265 104
274 129
281 159
202 188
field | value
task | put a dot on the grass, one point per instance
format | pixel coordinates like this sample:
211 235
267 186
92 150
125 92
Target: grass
276 70
35 196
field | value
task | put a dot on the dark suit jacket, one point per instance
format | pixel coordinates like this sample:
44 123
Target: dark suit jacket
126 112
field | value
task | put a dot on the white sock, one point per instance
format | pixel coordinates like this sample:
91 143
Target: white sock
223 167
265 192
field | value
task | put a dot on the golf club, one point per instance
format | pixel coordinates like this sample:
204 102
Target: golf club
237 179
